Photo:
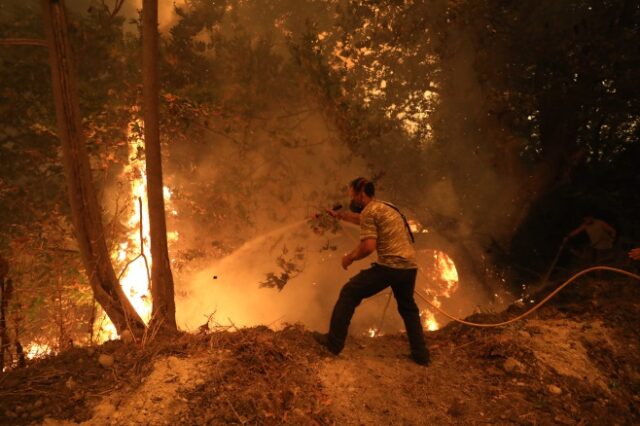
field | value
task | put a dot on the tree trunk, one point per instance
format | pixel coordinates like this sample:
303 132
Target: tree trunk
5 294
85 211
164 311
558 134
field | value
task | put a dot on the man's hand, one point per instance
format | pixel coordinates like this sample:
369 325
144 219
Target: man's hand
635 253
346 216
346 261
362 250
333 213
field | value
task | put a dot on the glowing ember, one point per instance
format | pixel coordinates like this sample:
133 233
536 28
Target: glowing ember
414 226
36 350
104 329
374 332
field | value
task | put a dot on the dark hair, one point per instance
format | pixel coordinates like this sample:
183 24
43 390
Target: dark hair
358 184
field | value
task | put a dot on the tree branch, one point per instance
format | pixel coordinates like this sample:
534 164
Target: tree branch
116 7
23 42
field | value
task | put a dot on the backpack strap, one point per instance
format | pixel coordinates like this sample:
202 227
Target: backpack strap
404 219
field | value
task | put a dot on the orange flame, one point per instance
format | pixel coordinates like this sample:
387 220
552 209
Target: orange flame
37 350
430 322
134 280
445 283
448 272
132 252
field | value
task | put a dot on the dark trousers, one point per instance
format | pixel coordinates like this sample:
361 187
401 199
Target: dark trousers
367 283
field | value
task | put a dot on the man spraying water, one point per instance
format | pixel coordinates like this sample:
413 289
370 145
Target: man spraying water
385 230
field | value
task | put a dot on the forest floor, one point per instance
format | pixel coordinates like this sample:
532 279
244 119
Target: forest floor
576 361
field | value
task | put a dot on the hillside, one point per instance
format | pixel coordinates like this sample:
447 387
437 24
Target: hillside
576 361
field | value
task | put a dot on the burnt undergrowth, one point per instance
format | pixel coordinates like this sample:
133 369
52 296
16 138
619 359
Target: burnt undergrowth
575 361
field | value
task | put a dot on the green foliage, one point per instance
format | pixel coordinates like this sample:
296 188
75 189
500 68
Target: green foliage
289 267
576 67
37 236
323 222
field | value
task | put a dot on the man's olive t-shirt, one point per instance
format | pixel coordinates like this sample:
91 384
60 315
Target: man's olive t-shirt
386 225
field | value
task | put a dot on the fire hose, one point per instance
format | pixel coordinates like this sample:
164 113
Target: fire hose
536 307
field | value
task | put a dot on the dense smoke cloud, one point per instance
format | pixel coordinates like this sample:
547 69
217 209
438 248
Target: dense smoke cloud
277 209
234 295
290 176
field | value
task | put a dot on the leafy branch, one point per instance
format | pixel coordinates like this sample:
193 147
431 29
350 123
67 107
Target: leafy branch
290 268
324 222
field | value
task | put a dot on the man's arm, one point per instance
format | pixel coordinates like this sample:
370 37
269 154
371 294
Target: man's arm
346 216
608 228
362 250
575 232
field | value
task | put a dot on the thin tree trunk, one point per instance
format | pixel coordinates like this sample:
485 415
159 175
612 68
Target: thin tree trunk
5 295
164 311
85 210
558 134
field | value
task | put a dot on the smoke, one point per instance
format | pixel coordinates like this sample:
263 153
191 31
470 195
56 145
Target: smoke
247 191
243 188
130 10
228 291
265 195
166 11
483 182
230 287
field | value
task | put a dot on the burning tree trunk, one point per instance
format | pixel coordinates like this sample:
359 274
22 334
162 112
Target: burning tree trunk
85 210
163 312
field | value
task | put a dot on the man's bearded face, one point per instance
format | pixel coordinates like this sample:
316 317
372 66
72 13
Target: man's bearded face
357 204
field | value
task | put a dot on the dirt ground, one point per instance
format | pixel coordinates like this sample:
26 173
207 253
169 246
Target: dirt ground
576 361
